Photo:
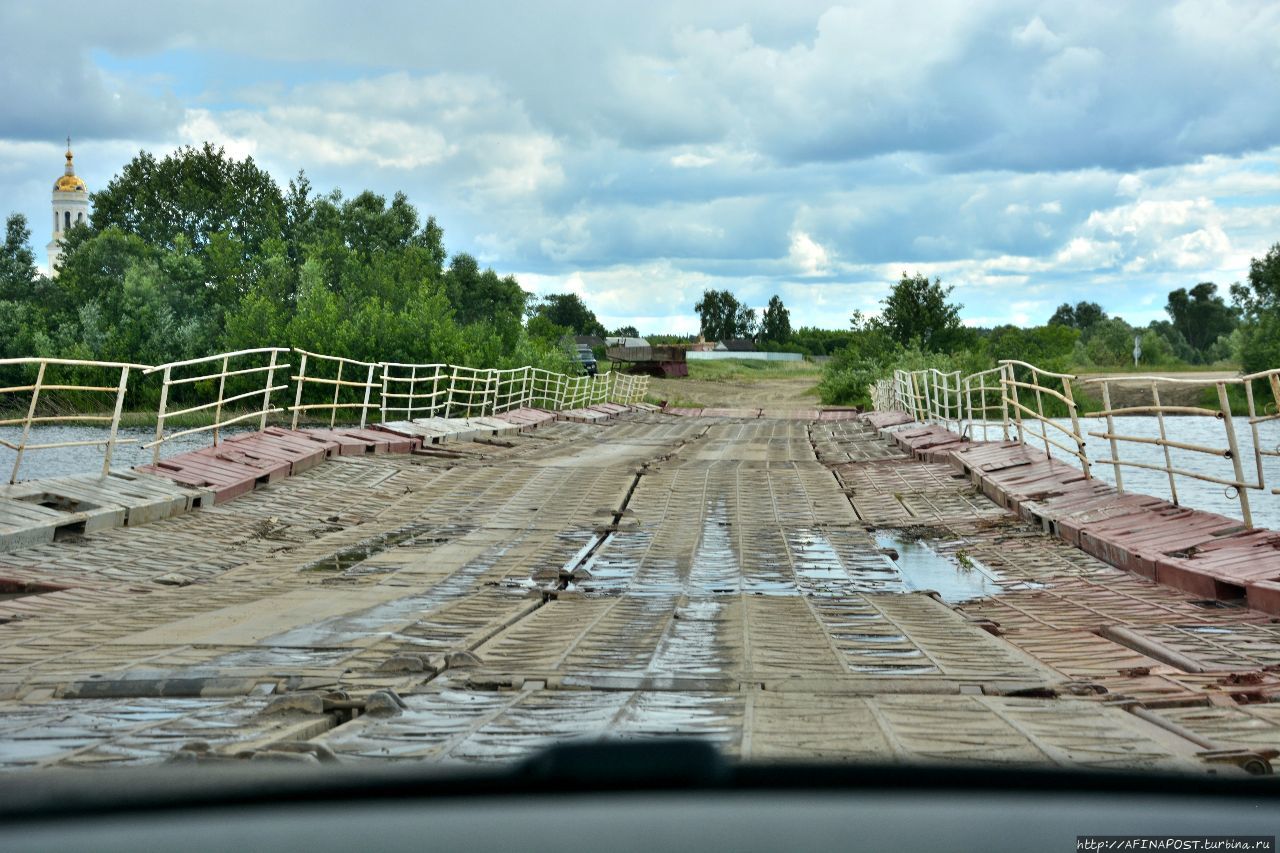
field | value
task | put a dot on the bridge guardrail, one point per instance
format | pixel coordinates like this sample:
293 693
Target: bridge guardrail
1039 406
413 390
240 376
1270 412
223 390
1033 380
309 385
43 383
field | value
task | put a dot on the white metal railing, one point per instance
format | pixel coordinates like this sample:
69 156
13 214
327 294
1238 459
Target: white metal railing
930 395
1035 384
986 387
472 392
320 387
43 383
248 371
213 393
546 389
1220 410
1032 405
629 389
1267 411
413 391
512 389
577 392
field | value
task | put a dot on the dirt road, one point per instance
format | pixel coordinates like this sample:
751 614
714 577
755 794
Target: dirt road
798 391
1177 388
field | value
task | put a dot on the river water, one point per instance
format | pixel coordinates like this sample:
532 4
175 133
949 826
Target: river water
62 461
39 464
1202 431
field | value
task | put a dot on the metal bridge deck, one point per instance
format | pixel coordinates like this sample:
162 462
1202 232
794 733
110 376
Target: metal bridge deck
787 587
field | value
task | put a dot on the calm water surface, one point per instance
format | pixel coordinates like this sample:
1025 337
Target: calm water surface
1202 431
62 461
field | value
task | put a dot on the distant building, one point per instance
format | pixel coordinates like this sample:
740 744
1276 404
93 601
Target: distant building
70 207
589 340
632 343
736 345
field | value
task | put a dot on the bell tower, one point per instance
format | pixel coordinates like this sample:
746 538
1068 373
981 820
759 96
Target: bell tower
70 207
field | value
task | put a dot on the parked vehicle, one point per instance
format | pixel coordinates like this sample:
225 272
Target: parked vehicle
587 359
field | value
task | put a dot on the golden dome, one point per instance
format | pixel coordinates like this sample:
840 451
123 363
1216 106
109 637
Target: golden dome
69 182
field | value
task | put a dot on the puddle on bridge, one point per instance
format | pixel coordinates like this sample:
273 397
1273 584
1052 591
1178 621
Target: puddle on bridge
799 561
926 564
349 560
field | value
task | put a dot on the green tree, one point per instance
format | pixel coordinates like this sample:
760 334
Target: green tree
1201 316
1082 315
193 192
482 296
720 315
626 332
775 324
918 310
1109 342
1259 300
568 310
1049 346
18 271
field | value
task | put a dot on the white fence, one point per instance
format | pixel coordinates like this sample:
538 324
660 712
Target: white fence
719 355
1020 402
247 386
74 381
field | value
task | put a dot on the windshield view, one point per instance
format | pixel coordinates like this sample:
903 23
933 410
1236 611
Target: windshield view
430 385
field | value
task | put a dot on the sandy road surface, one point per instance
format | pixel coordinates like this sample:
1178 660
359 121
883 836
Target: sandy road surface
1130 389
790 392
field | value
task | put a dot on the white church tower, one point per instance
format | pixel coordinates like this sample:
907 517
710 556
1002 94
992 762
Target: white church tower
70 207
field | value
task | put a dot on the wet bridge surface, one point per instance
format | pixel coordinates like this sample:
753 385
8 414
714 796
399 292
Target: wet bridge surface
783 587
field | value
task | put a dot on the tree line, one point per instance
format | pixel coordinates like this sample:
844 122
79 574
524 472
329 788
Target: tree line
197 252
920 327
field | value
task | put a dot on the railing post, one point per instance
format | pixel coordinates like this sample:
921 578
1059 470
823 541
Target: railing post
164 401
1044 429
1111 437
1225 403
448 400
26 425
382 398
266 391
1168 458
115 421
337 391
968 409
297 396
1004 400
1075 428
368 389
217 411
1017 406
413 388
1253 428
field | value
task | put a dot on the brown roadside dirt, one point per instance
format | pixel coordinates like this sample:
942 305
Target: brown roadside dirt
1177 388
792 392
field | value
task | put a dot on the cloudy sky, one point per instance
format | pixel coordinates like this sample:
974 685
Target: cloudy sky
638 153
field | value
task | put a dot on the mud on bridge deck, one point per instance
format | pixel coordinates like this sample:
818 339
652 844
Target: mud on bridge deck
785 587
